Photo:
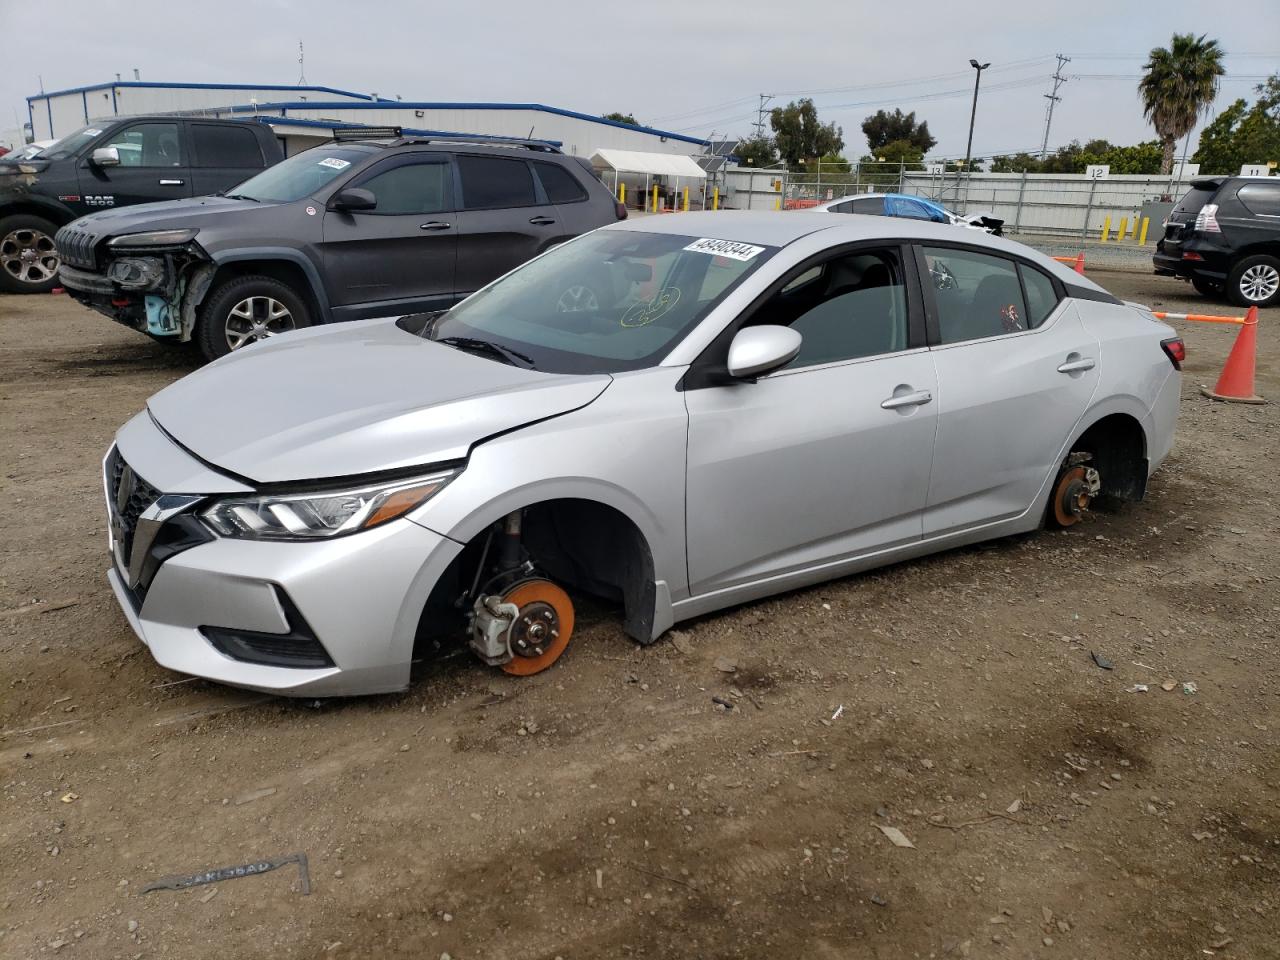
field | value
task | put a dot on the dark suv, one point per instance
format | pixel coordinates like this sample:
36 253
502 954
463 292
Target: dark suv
350 229
116 164
1224 236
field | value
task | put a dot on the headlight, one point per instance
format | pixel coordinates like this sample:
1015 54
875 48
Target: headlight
155 238
321 513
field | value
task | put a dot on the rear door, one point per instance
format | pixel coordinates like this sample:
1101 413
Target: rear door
505 218
563 188
402 253
223 155
1016 371
154 165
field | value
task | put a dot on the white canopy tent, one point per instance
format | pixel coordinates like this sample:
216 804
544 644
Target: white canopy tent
667 165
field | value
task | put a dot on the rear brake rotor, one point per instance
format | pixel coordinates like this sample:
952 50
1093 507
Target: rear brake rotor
541 631
1071 496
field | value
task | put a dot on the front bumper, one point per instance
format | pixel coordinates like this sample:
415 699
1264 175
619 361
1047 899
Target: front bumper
361 596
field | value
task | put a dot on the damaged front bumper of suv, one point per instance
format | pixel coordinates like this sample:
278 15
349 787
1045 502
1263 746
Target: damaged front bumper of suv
151 282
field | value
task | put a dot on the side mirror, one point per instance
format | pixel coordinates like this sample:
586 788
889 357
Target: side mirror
105 157
352 199
758 350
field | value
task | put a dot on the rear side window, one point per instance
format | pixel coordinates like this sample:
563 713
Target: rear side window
410 188
977 295
1041 297
873 206
219 146
561 185
490 183
1261 199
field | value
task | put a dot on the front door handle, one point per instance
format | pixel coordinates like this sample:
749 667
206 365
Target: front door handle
919 398
172 183
541 221
434 225
1076 365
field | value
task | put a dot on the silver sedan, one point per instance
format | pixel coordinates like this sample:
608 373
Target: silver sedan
675 414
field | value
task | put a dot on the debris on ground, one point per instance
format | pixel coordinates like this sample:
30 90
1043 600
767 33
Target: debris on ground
1189 688
253 795
1138 688
1101 661
725 665
69 797
235 873
839 710
1168 685
896 836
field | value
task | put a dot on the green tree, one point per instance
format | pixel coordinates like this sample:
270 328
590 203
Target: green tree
800 136
621 118
756 152
883 128
1179 84
1015 164
1242 134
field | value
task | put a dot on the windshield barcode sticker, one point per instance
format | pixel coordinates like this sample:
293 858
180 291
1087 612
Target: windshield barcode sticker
333 163
725 248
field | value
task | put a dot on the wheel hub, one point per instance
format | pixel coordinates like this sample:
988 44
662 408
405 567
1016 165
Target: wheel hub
256 318
537 625
1259 282
1073 493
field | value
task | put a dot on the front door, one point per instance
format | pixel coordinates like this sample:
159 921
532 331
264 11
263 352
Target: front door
1016 371
505 219
153 166
829 457
402 253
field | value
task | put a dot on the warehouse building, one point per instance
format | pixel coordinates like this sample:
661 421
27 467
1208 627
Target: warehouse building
304 116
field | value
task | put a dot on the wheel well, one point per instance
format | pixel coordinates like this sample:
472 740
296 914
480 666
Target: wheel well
52 214
585 545
283 270
1118 446
1269 248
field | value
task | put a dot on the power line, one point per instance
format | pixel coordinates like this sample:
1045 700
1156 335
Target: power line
1058 81
759 124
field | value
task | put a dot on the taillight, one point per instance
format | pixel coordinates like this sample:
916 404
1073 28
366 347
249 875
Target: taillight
1175 350
1191 255
1207 219
620 209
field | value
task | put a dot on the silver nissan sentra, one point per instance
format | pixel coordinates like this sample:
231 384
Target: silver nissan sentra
675 414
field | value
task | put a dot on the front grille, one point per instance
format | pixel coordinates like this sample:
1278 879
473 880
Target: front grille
136 498
75 247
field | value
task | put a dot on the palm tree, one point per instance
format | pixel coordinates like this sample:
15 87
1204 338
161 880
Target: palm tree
1179 84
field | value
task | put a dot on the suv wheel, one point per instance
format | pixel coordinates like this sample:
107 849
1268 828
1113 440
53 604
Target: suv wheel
28 258
248 309
1254 281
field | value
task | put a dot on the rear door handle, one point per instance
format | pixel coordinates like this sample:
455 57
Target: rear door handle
434 225
172 183
919 398
541 221
1074 366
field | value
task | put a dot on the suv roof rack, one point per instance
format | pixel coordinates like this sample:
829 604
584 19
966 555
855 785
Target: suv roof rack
542 146
367 133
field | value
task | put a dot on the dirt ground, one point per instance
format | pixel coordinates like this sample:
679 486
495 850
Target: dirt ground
610 808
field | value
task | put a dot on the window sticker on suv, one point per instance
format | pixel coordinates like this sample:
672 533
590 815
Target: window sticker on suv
334 163
725 248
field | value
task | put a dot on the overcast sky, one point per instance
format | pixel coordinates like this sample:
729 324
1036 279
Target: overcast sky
682 65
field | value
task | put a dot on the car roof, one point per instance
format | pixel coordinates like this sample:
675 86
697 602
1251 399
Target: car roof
772 228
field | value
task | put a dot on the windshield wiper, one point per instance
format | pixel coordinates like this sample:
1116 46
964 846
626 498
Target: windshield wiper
473 345
240 196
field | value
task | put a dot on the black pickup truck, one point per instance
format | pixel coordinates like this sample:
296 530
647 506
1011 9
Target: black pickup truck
116 163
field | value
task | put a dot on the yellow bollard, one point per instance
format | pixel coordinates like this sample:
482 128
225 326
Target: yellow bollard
1106 228
622 193
686 200
715 198
1142 240
777 204
1124 226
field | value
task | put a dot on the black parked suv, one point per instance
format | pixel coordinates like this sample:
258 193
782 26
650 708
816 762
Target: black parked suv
1224 236
351 229
116 164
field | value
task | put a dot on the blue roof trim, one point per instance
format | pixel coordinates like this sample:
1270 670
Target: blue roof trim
208 86
407 131
426 105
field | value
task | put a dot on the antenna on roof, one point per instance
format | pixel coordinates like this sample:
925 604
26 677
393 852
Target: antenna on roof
302 67
136 74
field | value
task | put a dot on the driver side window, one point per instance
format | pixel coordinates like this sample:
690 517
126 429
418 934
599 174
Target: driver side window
848 307
148 145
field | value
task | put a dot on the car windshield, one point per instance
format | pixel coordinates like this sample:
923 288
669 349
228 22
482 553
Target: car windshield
71 144
303 173
610 301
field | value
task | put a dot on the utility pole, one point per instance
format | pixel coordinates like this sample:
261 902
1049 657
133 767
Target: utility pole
1058 81
973 114
759 124
302 70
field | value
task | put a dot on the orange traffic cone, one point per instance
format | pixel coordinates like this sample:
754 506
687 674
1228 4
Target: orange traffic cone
1236 383
1080 262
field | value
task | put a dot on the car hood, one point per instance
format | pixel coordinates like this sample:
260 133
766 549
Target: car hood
163 215
355 398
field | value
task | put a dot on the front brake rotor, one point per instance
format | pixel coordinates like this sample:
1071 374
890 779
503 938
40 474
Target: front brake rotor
541 631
